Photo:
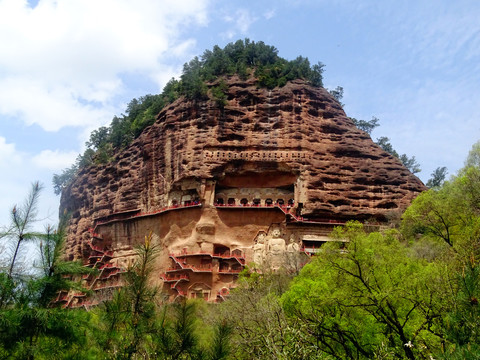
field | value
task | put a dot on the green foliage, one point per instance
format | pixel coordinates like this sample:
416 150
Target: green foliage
129 318
463 321
136 323
429 216
373 292
279 72
29 333
368 126
261 329
221 341
438 177
29 326
176 338
384 143
219 93
22 220
56 273
473 158
60 181
337 93
409 162
449 213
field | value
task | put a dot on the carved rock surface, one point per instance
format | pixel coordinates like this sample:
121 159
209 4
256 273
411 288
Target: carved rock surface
291 143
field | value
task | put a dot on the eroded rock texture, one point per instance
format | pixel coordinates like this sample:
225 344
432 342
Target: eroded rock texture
292 145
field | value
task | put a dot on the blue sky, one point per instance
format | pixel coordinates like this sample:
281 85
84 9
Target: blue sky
67 67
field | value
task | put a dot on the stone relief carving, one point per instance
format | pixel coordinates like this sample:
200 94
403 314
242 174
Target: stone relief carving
293 246
293 258
259 249
276 249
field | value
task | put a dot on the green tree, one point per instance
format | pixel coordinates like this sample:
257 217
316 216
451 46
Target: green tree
260 328
220 348
473 158
219 94
463 318
60 181
368 127
176 337
433 213
55 272
437 177
98 138
373 294
129 318
384 143
30 325
120 132
316 77
449 214
337 93
23 219
409 162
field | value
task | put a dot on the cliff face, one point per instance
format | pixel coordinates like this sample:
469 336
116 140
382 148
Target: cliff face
291 144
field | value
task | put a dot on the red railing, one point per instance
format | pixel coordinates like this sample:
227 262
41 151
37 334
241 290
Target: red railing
252 205
114 217
238 257
95 234
309 249
108 285
167 278
104 252
107 266
62 298
285 209
113 273
79 294
194 268
229 271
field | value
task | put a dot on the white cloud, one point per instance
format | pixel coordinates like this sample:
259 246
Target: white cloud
269 14
20 169
50 107
54 160
241 20
244 20
8 155
63 60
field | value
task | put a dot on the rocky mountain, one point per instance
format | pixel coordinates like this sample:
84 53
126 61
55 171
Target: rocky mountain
210 177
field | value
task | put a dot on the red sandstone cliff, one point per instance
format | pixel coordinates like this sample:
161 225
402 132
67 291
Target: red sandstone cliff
296 139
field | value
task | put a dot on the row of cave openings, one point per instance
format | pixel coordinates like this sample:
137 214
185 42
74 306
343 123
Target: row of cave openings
219 201
189 197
